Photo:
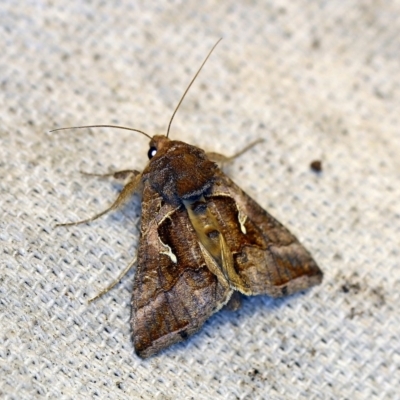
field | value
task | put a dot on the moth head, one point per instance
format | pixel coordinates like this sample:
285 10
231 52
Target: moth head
158 145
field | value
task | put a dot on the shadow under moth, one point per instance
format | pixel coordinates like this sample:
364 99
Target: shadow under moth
202 242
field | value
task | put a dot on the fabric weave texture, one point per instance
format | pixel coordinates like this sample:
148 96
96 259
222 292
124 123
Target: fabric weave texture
316 80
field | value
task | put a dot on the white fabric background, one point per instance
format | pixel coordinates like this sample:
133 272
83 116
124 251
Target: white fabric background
317 80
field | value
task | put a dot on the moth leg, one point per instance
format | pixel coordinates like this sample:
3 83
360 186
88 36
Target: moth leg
220 158
109 287
124 174
126 192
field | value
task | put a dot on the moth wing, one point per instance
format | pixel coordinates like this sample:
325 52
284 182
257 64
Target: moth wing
174 290
266 256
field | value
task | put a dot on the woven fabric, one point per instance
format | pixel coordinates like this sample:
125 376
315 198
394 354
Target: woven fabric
316 80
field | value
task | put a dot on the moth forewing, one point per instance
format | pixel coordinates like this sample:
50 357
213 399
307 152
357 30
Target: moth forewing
171 301
268 258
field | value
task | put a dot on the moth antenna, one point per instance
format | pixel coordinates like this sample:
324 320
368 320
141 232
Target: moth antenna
102 126
190 84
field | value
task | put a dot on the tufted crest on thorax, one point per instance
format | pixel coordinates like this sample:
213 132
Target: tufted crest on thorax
178 171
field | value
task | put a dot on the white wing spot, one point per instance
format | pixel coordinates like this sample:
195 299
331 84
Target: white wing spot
242 219
168 252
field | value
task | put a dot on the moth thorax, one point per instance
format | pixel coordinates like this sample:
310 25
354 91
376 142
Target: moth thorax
181 172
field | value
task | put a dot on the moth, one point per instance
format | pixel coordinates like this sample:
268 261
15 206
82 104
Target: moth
203 241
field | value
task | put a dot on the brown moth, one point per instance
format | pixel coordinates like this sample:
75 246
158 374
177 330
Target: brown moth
202 242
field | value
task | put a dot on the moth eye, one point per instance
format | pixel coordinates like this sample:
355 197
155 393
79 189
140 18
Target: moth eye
152 152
